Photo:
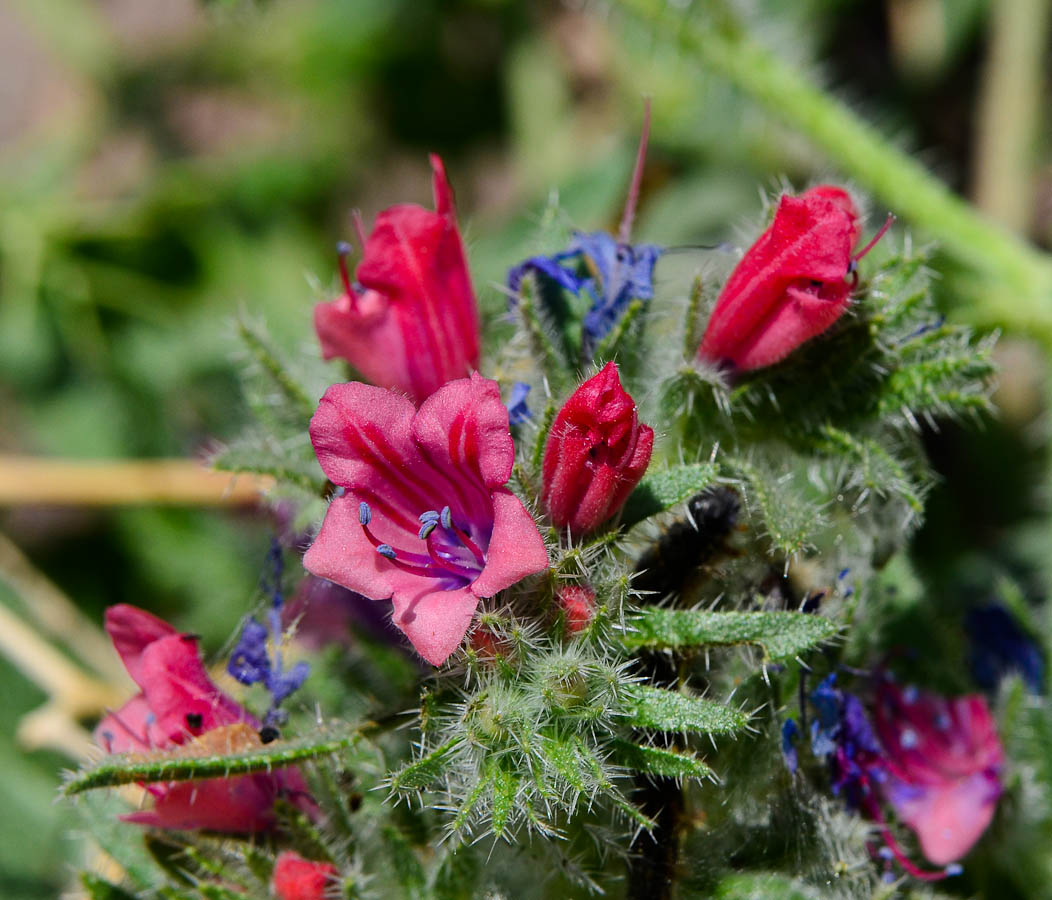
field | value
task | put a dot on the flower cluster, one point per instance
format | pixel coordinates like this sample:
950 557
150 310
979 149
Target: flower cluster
179 706
936 761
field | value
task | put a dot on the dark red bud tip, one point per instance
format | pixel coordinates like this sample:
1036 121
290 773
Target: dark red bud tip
597 452
577 602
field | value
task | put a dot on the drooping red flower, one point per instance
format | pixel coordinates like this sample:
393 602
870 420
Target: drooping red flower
596 454
410 322
179 705
424 517
296 878
790 286
943 759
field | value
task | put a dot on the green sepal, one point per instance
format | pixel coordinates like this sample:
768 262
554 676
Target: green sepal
421 772
650 707
781 635
659 491
658 761
99 889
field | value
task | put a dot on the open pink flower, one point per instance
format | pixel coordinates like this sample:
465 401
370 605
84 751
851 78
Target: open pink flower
424 518
943 759
411 321
178 705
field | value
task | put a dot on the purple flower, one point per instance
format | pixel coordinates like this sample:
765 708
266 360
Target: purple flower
518 411
999 646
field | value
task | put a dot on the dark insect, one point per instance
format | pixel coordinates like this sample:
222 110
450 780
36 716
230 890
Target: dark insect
672 564
194 721
268 734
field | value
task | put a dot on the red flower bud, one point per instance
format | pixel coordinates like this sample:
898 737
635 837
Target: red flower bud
296 878
597 452
577 602
790 286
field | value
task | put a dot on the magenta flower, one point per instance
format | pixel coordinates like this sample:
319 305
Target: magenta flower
410 321
943 759
424 518
180 705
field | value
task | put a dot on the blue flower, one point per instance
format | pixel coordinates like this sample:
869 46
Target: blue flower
518 411
251 663
789 733
999 645
609 273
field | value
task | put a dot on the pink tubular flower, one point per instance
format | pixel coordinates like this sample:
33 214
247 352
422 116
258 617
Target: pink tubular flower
410 322
790 286
179 705
424 518
944 762
597 452
296 878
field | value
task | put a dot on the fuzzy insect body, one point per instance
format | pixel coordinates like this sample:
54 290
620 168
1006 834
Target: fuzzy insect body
673 563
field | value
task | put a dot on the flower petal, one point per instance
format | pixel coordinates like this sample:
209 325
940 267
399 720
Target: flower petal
516 548
240 805
462 430
949 818
132 630
131 729
434 621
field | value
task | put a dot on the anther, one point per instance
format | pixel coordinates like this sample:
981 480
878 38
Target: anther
447 518
343 250
387 551
365 515
426 529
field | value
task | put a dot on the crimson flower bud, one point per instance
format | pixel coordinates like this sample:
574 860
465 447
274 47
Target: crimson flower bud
577 602
790 286
597 452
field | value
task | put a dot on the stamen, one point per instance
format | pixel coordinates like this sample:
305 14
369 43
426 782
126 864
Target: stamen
624 234
449 564
386 550
888 222
429 516
343 250
426 529
365 515
359 226
446 518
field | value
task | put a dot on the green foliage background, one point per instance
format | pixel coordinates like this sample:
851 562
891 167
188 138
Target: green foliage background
159 172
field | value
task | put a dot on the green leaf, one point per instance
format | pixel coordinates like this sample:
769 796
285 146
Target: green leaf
762 886
505 792
659 491
420 773
650 707
100 889
658 761
782 635
117 770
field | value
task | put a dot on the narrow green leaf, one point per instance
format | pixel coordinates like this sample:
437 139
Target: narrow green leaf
117 770
472 800
649 707
658 761
659 491
562 754
420 773
782 635
271 362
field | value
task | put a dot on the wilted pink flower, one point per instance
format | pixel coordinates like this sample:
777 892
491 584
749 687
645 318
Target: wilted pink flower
577 602
790 286
296 878
596 454
424 517
179 705
944 762
410 322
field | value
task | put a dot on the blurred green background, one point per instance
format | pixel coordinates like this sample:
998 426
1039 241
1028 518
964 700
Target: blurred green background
165 163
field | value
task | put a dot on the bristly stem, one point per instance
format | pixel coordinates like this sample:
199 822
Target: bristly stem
1014 269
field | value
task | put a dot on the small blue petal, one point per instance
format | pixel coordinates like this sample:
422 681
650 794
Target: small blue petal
518 411
290 681
789 733
249 663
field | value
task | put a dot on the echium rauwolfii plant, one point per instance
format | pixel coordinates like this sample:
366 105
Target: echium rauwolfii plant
628 544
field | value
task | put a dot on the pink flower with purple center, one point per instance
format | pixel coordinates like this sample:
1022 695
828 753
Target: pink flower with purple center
424 518
943 758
